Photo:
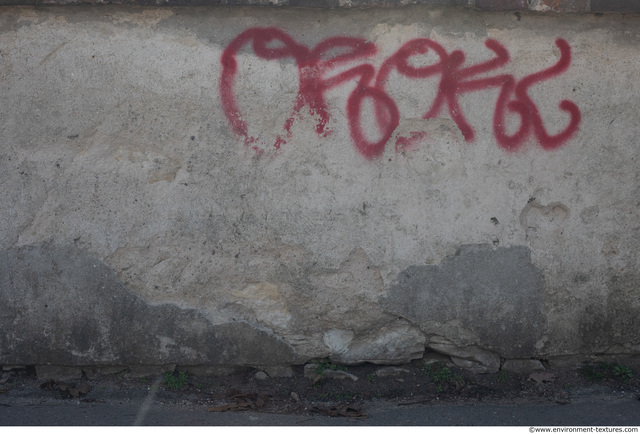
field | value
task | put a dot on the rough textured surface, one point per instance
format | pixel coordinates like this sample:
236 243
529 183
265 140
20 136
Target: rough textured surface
494 297
222 187
70 309
394 343
544 6
522 365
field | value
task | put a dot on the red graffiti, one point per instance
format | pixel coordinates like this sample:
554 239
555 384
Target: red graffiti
404 144
455 79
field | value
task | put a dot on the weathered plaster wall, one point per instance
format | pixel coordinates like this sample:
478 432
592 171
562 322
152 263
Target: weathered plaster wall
261 187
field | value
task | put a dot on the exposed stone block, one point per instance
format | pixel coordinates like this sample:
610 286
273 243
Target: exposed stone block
559 5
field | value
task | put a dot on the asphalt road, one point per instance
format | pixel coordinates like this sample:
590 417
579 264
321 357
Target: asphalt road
595 409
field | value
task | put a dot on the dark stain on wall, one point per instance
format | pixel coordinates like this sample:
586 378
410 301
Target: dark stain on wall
498 294
62 306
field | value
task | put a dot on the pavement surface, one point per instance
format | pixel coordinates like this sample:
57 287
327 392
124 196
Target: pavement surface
588 407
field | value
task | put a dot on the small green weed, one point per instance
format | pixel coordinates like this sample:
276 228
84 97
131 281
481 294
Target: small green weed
175 380
458 381
502 377
622 372
144 380
426 370
442 376
592 373
322 366
371 378
606 371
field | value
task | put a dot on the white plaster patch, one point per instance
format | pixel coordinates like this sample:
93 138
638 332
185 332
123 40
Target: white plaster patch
338 341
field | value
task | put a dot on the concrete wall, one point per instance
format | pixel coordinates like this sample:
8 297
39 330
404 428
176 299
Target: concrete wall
255 186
